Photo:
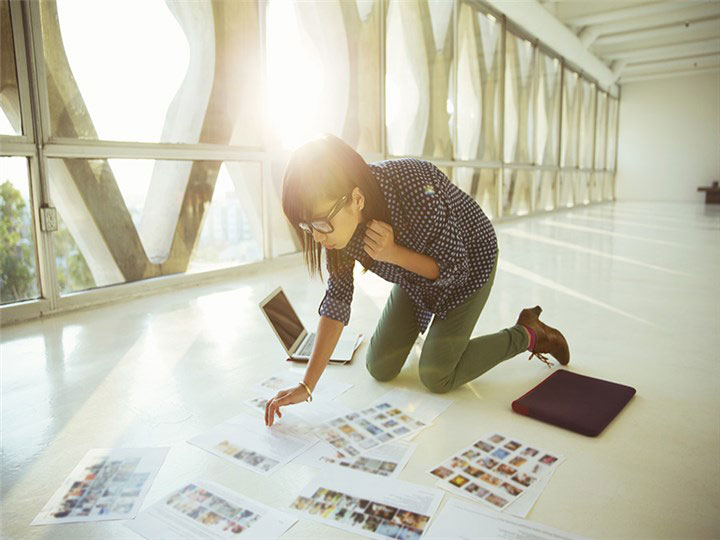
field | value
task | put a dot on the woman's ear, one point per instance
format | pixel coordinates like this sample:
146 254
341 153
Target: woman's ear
358 199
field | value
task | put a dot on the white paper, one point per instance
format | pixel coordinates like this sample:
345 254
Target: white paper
387 460
317 453
304 416
248 442
463 520
356 433
327 388
496 470
204 509
108 483
521 506
375 507
420 405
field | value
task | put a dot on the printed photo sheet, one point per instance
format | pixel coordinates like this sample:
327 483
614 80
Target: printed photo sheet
356 433
204 509
371 506
462 520
521 506
108 483
422 406
327 388
386 460
495 470
248 442
302 416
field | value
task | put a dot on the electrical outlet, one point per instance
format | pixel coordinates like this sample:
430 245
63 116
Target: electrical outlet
48 219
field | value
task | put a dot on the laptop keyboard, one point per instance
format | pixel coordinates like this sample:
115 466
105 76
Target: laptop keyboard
307 348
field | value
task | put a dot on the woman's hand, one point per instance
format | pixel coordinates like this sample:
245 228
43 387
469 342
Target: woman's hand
380 241
296 394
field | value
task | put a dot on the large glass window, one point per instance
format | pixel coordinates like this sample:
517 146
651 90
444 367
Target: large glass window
518 187
601 130
586 134
323 66
516 128
519 100
570 116
10 119
18 269
110 77
479 67
609 186
481 185
545 190
567 187
125 220
419 57
597 184
548 116
612 133
582 188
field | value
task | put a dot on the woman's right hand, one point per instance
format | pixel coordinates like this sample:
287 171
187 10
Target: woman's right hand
296 394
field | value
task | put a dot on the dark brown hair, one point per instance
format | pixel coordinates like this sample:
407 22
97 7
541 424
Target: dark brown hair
326 168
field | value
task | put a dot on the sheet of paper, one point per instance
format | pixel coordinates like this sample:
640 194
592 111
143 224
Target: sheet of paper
521 506
463 520
304 416
420 405
248 442
327 388
375 507
386 460
495 470
207 510
108 483
356 433
315 455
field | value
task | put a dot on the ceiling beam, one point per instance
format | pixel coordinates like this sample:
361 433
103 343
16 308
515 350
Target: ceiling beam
680 49
674 64
642 10
538 22
675 30
696 12
669 75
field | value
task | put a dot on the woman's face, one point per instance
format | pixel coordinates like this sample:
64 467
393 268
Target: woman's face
344 222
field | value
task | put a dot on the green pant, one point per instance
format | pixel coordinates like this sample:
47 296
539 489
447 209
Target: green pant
449 357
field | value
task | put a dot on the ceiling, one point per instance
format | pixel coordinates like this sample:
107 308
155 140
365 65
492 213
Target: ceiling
642 40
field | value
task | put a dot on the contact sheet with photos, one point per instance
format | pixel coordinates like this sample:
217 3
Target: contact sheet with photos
246 441
327 389
303 416
371 506
107 484
495 470
357 432
386 460
207 510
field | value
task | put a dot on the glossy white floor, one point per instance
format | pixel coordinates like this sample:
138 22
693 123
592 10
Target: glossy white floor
634 287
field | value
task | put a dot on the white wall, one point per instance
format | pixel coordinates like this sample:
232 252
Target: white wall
669 139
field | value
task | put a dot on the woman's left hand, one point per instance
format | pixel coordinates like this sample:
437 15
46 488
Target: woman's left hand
380 241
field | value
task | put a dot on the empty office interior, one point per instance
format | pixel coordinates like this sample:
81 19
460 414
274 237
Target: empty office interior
143 146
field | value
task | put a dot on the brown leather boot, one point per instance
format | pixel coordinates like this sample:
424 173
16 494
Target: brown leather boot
547 339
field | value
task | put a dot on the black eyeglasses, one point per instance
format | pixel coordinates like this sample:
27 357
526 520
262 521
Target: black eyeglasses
323 225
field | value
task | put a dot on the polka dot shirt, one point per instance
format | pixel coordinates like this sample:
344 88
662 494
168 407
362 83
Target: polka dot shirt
429 215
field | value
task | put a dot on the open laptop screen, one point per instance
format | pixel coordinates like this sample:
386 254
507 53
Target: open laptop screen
283 318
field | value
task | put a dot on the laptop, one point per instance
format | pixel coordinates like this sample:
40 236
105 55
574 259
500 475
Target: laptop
293 336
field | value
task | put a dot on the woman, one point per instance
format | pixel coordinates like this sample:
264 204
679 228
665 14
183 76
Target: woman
403 220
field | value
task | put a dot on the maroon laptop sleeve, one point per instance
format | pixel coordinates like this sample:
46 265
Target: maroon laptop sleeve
576 402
